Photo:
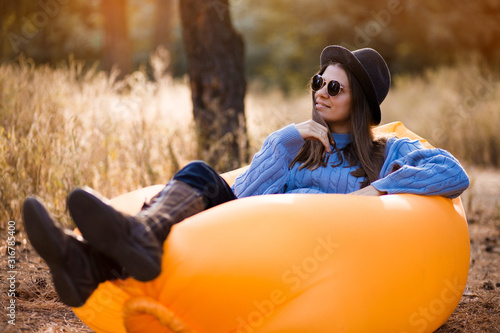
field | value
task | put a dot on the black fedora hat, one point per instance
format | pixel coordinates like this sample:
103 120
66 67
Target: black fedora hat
369 68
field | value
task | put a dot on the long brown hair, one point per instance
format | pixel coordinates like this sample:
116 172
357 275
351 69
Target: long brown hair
364 150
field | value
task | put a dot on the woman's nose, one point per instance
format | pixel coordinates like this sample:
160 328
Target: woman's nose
323 92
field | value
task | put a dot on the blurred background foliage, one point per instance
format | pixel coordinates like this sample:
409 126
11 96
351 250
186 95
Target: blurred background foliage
67 119
282 38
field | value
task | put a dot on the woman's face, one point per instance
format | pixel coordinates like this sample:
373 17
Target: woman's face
335 110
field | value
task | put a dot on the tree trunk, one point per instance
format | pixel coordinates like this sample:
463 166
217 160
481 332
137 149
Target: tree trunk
165 14
117 50
163 25
216 71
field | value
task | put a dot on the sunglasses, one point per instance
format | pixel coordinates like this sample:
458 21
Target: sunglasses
333 87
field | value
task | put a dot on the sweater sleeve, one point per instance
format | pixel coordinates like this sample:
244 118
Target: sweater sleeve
268 172
411 168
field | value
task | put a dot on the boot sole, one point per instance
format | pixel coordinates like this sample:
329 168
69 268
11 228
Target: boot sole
92 215
40 230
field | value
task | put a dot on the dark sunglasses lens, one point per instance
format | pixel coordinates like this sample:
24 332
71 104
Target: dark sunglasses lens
333 88
316 83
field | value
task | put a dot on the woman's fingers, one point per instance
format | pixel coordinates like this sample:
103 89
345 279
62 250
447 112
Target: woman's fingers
311 130
369 190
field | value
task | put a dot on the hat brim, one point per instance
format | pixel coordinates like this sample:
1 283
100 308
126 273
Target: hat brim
335 53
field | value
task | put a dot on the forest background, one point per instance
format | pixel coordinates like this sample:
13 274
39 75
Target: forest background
282 38
70 116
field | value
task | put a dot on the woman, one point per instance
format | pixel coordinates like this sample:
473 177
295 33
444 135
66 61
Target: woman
334 152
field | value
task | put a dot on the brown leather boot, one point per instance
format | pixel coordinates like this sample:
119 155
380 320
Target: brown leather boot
135 242
76 268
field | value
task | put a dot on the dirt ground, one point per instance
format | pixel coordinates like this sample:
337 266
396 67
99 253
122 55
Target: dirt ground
38 309
479 308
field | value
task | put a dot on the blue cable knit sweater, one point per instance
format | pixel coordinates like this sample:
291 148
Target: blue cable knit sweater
422 171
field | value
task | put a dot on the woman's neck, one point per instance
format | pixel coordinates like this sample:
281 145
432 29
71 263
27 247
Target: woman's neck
339 128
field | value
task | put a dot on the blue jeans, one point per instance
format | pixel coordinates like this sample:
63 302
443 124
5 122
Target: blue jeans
204 179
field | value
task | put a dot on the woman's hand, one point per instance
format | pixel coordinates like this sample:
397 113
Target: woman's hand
369 190
311 130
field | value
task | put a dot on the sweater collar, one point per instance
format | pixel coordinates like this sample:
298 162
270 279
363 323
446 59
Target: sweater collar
342 140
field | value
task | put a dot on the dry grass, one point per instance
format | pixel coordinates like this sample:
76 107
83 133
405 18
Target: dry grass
65 126
455 108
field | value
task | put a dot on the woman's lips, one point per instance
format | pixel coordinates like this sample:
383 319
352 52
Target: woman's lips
320 105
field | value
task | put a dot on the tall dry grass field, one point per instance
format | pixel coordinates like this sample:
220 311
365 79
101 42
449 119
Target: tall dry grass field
456 108
64 127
